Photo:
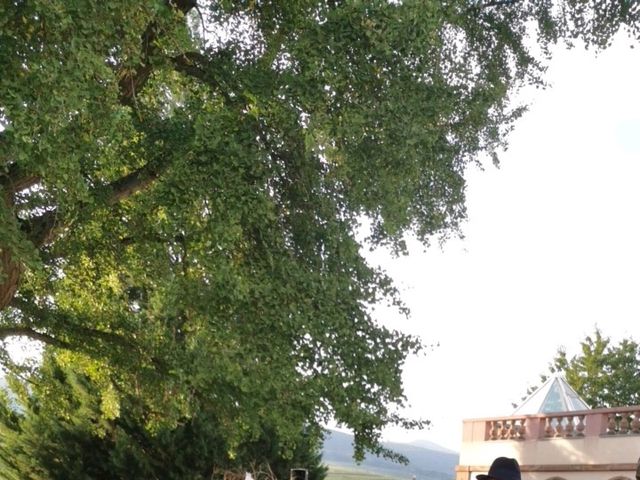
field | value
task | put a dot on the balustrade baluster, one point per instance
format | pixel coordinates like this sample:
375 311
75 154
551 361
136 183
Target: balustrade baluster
611 425
624 424
559 427
619 421
515 429
581 426
635 423
493 432
548 430
569 429
504 431
522 429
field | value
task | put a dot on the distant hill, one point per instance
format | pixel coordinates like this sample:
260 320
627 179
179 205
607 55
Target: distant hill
433 463
431 446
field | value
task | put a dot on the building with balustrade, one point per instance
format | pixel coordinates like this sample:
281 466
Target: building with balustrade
555 436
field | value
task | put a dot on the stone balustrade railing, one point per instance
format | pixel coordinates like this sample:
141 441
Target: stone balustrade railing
606 421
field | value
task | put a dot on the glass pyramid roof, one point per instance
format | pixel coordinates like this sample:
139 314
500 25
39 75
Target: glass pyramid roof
555 395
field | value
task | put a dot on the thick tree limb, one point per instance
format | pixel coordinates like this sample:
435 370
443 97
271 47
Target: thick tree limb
41 230
17 179
191 63
498 3
23 331
134 80
134 182
77 335
198 66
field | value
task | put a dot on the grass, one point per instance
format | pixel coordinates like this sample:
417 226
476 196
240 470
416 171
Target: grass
341 473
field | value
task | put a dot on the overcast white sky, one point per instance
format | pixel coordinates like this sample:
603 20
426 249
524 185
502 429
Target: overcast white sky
552 248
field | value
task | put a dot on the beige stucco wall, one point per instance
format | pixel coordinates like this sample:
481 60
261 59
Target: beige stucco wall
588 445
628 475
555 451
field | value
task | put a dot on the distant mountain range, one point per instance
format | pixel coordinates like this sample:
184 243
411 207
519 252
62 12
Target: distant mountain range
430 446
427 460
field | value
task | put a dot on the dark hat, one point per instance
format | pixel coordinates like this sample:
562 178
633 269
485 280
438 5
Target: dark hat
502 468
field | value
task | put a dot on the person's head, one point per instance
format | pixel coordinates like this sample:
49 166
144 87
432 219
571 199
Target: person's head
502 468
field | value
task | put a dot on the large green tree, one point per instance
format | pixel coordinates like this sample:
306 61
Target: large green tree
603 373
182 185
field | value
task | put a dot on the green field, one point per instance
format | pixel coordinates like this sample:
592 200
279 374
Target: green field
341 473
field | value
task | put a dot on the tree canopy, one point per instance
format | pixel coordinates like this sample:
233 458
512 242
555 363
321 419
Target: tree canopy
68 428
603 373
183 185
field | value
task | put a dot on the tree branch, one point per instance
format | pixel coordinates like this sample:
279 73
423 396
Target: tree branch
84 336
134 80
198 66
498 3
134 182
41 230
190 63
23 331
78 337
17 179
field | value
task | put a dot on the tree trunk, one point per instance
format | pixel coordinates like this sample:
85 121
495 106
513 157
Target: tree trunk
11 272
